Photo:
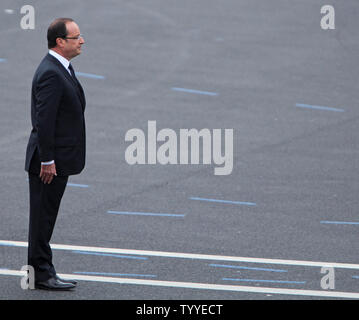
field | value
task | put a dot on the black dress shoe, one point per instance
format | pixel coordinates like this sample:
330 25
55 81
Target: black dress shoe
54 284
66 280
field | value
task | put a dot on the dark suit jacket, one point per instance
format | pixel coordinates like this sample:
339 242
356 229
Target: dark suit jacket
58 123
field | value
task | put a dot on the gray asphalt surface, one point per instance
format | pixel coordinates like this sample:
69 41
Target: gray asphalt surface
298 165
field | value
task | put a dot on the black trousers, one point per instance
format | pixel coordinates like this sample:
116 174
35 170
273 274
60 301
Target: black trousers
44 206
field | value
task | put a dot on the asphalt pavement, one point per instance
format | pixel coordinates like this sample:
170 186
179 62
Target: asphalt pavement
267 70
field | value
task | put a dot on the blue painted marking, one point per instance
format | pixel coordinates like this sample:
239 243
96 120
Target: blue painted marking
110 255
257 280
116 274
196 91
2 60
146 214
338 222
225 201
246 268
89 75
301 105
77 185
355 277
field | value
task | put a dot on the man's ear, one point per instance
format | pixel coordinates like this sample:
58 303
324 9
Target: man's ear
60 42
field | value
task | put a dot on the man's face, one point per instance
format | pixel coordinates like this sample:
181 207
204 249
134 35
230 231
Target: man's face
72 47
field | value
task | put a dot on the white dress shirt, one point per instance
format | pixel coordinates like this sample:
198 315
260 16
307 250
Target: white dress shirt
63 60
66 64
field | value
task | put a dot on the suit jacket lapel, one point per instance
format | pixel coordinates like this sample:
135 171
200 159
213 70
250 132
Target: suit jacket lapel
74 82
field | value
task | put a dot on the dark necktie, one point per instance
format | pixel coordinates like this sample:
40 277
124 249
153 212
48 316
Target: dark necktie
72 71
77 83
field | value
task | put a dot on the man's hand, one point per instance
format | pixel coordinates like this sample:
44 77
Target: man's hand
47 173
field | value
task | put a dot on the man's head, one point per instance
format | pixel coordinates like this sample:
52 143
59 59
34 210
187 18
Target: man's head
63 36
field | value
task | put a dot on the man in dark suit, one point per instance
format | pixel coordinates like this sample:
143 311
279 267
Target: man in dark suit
56 147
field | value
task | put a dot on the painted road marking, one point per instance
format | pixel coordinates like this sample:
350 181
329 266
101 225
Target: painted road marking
110 255
224 201
195 91
146 214
193 256
268 281
77 185
2 60
202 286
301 105
89 75
338 222
115 274
246 268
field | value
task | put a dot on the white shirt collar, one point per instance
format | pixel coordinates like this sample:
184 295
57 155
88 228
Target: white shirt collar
63 60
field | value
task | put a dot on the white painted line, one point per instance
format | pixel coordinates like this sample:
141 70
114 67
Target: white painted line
7 272
203 286
194 256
